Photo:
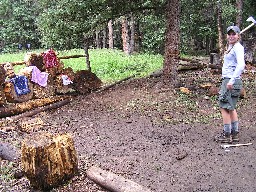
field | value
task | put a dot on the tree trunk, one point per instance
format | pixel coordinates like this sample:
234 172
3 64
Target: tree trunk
110 35
86 52
132 45
220 31
172 39
239 6
125 35
48 160
97 39
104 38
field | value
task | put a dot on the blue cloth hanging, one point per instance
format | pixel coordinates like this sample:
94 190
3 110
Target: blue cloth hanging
20 85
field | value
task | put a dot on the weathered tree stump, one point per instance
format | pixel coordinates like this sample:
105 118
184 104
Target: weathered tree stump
85 81
2 97
34 59
48 160
215 58
2 75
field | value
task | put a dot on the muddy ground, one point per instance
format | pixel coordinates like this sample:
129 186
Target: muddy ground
153 135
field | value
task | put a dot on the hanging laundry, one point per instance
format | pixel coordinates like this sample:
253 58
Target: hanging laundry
66 80
39 77
20 84
50 59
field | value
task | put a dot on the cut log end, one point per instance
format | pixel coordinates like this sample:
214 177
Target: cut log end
48 160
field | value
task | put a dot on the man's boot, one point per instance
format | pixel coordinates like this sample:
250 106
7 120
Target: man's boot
224 137
235 136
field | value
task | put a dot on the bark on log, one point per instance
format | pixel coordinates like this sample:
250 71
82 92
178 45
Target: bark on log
192 66
19 108
2 97
8 152
71 56
181 67
40 109
114 182
2 75
62 57
48 160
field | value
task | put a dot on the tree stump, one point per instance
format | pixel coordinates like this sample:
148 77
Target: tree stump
2 75
48 160
215 58
2 97
85 81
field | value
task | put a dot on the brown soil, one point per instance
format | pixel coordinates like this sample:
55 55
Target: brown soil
155 136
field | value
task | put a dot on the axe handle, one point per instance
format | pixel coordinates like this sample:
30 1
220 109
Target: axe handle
236 145
248 27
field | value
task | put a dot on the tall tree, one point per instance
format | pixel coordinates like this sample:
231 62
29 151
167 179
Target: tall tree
110 35
172 40
220 29
125 35
239 17
132 27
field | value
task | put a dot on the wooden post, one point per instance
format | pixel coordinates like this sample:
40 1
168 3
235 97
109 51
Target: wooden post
48 160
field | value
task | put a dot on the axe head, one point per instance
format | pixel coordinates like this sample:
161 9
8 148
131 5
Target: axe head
251 19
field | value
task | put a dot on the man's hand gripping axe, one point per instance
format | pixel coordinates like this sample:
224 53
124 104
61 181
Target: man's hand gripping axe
248 27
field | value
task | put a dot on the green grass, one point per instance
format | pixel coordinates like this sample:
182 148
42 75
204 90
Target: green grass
108 65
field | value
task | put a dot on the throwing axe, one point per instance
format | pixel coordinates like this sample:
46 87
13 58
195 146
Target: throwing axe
252 24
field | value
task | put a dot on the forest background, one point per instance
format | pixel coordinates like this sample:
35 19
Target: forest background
132 26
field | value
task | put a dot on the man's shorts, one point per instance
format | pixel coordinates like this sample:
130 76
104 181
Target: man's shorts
228 98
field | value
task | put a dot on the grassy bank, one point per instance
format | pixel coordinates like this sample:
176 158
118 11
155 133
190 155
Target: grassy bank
108 65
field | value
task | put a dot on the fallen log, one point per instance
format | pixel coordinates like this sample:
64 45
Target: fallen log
62 57
40 109
48 160
8 152
113 182
19 108
71 56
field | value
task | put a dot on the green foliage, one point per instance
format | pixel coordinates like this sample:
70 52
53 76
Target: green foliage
64 24
6 172
17 21
112 65
153 31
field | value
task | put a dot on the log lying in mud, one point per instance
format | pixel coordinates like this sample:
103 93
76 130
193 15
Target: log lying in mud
113 182
19 108
48 160
40 109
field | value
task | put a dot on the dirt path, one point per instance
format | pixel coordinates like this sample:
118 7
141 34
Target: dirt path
156 137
